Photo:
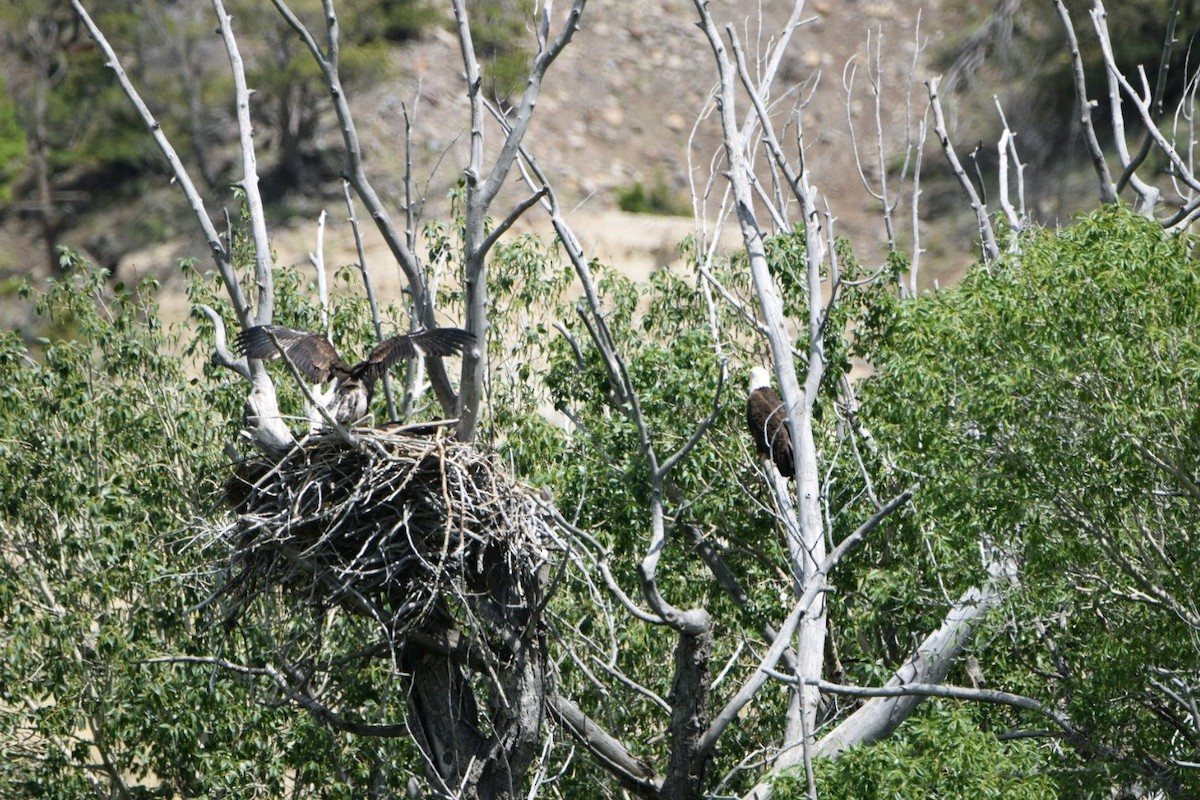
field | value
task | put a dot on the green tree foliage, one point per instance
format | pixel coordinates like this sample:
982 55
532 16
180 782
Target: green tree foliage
110 452
940 754
1048 408
108 448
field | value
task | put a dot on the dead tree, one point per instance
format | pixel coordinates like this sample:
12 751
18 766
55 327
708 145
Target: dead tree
405 531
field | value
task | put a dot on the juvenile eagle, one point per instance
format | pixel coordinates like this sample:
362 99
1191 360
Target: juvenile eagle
317 360
767 419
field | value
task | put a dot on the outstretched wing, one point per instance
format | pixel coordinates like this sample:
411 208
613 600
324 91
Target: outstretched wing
434 342
312 353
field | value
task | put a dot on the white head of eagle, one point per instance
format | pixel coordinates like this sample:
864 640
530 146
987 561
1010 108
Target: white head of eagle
767 419
316 359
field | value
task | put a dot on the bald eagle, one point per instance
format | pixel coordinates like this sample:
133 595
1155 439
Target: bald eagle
767 419
317 360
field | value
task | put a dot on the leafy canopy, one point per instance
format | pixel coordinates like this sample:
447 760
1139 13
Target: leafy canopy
1047 406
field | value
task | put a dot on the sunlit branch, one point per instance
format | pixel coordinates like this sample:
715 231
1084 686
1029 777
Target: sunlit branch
249 182
990 250
1084 106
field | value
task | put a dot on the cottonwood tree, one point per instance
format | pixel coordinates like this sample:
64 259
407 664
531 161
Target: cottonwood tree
464 752
730 731
1063 438
825 274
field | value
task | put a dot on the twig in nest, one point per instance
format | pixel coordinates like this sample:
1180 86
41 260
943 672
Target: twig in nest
392 528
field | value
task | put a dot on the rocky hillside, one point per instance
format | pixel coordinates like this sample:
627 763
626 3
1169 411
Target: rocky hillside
628 102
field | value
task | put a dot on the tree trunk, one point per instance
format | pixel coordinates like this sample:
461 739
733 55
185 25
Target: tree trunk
689 717
443 715
461 759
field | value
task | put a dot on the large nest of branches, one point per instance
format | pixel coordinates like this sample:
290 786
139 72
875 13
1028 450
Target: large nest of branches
393 527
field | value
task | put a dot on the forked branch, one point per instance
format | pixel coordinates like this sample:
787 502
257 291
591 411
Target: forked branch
263 420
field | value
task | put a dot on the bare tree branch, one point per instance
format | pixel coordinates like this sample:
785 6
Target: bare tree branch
1160 87
1006 150
1144 102
990 696
990 251
263 420
372 298
807 550
633 773
263 269
929 665
482 191
1108 191
221 352
815 586
1149 194
178 170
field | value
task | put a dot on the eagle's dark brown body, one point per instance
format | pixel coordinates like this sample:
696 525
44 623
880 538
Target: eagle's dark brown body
317 359
767 419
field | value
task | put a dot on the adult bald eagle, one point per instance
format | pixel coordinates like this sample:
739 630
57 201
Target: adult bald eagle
317 360
767 419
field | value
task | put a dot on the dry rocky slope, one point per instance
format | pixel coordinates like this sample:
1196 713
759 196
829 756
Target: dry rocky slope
622 104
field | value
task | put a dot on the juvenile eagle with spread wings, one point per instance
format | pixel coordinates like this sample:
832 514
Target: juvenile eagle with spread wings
317 359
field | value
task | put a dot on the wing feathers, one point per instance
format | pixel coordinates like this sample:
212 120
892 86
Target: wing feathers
318 361
434 342
768 426
312 353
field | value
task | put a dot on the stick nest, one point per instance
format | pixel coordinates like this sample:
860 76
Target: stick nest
390 529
